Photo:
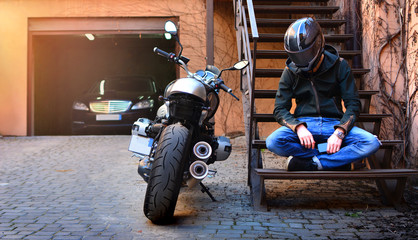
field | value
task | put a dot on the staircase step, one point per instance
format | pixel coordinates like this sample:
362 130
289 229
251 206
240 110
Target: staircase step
358 174
363 117
293 9
386 144
281 54
286 1
276 73
268 22
267 93
273 37
364 93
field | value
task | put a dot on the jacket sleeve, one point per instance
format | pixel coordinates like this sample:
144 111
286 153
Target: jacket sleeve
283 102
350 96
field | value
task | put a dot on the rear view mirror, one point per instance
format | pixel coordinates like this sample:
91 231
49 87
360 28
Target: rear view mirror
170 27
237 66
171 30
241 65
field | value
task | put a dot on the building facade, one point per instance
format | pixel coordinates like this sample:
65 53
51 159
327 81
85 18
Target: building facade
24 83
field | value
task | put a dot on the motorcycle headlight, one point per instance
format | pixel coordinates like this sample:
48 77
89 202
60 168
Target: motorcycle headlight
143 104
80 106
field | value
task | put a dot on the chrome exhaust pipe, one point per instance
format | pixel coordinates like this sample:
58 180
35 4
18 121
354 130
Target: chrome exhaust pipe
199 170
202 150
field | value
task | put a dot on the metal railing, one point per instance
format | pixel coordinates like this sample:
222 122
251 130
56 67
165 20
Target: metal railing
244 51
243 39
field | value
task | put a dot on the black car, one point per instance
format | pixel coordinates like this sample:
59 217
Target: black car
113 104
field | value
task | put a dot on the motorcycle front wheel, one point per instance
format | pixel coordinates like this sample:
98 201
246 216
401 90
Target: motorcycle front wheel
166 174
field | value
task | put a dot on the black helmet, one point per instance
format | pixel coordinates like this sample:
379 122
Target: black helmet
304 43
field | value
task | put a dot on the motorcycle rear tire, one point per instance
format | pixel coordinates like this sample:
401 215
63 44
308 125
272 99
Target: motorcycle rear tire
166 175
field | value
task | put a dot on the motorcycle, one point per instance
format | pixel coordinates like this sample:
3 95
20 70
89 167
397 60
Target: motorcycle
175 149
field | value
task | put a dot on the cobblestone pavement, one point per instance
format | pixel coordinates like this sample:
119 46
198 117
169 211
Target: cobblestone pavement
86 187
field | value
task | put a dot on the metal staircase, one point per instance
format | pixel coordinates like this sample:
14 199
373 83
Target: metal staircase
261 23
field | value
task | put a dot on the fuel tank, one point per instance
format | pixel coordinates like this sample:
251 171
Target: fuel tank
188 86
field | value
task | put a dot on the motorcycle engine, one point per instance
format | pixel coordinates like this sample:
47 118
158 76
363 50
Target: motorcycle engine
224 148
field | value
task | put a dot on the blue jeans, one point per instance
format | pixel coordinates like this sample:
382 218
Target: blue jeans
356 145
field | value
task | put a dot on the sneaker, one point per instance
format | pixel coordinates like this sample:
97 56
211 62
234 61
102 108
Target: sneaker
300 164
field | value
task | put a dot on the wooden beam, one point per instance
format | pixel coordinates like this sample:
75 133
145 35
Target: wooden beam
98 24
209 33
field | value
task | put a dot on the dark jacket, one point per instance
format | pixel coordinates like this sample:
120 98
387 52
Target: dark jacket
318 94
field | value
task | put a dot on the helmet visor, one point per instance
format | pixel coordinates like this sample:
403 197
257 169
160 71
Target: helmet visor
307 56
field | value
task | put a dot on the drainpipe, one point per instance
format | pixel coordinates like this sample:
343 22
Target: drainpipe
209 33
353 26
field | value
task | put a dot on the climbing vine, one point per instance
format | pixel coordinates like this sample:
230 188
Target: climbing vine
386 37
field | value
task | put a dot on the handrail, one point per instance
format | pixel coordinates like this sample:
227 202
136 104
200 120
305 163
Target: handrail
243 40
243 35
244 49
253 23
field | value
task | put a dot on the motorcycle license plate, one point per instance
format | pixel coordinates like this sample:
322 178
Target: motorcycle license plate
141 145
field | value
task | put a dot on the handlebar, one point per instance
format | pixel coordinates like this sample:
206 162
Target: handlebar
173 58
183 61
160 52
225 88
169 56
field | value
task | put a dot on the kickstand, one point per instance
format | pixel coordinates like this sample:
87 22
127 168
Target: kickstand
206 190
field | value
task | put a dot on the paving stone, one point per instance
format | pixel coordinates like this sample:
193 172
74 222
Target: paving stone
230 231
323 222
335 226
127 237
284 235
87 187
316 238
36 237
15 236
249 223
224 227
296 220
296 225
241 227
313 226
67 238
226 236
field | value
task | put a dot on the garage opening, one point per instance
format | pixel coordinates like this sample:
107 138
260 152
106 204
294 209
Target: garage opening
67 65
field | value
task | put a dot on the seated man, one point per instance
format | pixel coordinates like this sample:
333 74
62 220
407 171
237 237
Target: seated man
318 79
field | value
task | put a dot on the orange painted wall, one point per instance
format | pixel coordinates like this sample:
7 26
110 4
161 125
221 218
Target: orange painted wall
398 21
412 61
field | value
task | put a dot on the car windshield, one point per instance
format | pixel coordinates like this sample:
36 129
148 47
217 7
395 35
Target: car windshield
124 84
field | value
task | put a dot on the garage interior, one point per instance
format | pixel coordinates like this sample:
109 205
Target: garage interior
64 66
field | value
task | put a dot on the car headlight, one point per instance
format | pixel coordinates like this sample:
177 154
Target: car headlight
80 106
143 104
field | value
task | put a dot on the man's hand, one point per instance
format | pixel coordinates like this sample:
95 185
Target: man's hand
305 137
334 143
